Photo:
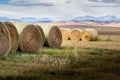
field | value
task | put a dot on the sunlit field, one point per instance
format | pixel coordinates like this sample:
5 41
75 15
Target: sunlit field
93 60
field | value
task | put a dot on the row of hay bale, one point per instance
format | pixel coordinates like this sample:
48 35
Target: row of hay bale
79 34
27 37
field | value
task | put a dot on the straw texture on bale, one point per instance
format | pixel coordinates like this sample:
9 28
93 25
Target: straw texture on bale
65 33
31 39
53 36
5 40
13 35
75 34
89 35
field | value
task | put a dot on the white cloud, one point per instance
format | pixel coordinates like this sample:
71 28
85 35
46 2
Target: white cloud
37 1
61 8
107 1
2 12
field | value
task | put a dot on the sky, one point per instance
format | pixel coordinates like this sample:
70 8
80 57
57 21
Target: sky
58 8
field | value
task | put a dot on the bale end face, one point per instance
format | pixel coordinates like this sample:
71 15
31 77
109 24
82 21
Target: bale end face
86 36
89 35
65 33
5 40
31 39
54 37
75 35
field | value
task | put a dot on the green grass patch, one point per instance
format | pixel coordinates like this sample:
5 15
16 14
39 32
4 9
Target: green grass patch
98 51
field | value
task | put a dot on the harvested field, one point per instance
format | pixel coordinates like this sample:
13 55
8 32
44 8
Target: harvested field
94 44
96 60
91 60
109 37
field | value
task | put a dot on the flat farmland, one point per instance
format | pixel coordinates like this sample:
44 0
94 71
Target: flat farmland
83 60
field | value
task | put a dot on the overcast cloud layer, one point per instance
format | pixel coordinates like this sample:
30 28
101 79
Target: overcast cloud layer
58 8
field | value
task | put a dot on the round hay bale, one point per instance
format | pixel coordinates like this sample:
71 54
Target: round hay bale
13 35
32 38
75 34
89 35
65 33
5 40
53 36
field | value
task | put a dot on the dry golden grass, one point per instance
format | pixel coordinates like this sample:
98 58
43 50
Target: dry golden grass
109 37
94 44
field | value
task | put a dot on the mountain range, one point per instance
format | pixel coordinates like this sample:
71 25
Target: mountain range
101 18
78 18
